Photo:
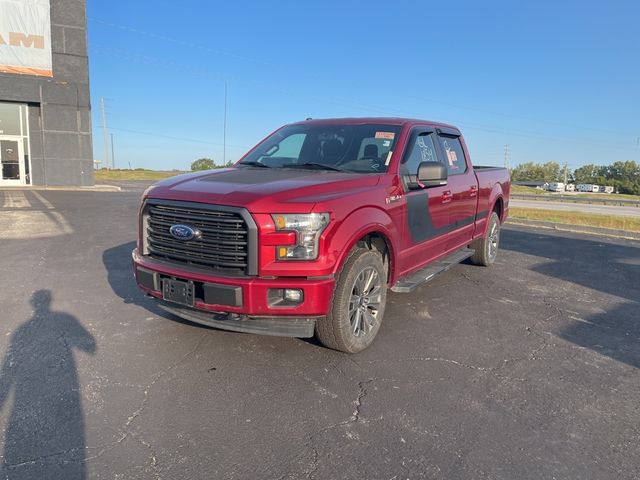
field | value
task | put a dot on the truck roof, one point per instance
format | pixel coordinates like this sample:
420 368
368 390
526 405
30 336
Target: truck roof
381 120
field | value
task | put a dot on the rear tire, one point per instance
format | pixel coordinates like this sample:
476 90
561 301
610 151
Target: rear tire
486 248
358 304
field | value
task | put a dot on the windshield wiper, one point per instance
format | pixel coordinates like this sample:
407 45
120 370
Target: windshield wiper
318 165
254 164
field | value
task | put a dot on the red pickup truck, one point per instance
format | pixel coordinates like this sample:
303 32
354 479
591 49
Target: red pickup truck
308 230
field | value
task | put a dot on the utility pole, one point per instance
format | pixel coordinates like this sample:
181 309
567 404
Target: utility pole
224 128
113 153
565 174
506 156
104 130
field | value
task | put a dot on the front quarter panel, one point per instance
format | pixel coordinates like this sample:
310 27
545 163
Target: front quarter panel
357 225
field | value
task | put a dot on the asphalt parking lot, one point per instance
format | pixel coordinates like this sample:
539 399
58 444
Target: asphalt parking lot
527 369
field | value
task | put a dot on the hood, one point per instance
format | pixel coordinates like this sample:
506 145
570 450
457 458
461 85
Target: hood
260 189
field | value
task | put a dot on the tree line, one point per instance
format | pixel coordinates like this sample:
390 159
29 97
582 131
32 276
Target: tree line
207 164
624 176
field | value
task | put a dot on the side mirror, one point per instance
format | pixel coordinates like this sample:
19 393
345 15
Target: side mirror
432 174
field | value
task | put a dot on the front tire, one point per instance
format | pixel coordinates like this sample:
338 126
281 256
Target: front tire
358 304
486 248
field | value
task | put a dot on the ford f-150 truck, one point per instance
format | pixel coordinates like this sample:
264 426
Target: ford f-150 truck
306 233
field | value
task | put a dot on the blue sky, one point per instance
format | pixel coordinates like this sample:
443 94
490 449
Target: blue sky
556 81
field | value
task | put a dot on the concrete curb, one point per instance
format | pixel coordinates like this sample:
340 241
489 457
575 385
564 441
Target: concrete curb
93 188
565 227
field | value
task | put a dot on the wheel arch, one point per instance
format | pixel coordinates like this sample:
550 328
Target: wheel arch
498 207
376 234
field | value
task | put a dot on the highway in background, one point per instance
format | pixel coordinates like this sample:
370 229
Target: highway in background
577 207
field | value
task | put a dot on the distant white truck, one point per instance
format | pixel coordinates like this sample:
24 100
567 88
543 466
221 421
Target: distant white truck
555 187
570 187
606 189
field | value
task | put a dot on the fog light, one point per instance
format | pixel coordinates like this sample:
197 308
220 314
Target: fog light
293 295
285 297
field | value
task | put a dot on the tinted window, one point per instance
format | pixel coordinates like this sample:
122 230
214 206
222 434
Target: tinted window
453 155
355 148
422 150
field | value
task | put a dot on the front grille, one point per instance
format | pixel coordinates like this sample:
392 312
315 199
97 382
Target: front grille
223 247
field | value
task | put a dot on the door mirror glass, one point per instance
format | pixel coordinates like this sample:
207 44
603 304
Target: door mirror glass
432 174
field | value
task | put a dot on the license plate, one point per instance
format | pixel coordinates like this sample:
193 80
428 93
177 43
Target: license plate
178 291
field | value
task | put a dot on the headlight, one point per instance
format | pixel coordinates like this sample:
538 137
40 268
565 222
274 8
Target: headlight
308 228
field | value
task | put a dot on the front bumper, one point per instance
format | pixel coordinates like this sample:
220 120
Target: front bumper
240 303
277 326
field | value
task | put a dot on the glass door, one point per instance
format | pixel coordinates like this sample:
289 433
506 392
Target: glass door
11 160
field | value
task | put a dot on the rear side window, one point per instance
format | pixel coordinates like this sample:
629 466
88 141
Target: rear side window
453 154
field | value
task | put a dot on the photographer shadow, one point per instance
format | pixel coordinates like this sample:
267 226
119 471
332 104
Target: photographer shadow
45 434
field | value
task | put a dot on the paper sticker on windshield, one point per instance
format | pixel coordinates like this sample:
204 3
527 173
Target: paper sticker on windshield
386 135
386 143
386 162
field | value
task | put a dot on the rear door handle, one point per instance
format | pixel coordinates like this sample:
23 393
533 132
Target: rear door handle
447 196
473 191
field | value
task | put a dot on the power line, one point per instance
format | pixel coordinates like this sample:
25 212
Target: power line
177 41
171 137
185 68
113 155
255 60
224 128
104 129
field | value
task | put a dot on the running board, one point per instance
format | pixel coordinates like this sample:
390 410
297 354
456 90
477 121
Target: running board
414 280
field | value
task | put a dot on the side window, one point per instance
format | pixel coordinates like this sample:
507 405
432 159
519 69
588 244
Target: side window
453 154
286 151
422 150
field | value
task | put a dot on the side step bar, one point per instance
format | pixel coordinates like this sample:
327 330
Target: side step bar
414 280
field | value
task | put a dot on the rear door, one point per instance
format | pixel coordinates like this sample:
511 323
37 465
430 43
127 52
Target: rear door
463 187
427 209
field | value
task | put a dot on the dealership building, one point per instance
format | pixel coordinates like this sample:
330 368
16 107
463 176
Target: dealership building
45 112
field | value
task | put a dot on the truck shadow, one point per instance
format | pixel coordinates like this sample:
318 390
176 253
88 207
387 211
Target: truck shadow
45 434
611 268
117 262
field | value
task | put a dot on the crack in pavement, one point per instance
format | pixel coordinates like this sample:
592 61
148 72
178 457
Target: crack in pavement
489 370
355 417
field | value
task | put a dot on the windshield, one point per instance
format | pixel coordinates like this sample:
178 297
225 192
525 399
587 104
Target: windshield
350 148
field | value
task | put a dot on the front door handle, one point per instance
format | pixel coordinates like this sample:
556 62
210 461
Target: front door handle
447 196
473 191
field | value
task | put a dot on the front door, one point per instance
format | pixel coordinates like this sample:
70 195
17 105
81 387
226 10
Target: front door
12 161
427 209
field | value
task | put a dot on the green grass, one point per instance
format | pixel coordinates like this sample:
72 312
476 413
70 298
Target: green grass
527 190
105 175
577 218
609 196
522 190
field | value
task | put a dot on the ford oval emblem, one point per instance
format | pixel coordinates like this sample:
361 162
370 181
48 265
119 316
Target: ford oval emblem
184 232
